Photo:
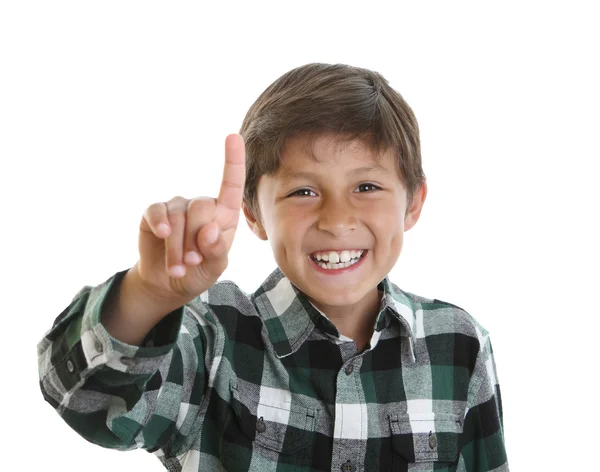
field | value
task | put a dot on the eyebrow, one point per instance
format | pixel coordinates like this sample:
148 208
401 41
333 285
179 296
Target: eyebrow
289 174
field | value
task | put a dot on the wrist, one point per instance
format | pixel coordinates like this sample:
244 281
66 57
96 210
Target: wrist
141 297
132 310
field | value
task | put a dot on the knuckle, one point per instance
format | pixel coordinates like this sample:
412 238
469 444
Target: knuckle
201 204
177 199
175 210
155 211
231 184
154 207
177 205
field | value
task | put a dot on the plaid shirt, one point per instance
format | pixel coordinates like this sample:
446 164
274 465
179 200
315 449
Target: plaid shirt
265 382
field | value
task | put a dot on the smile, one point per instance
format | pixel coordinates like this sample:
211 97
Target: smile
332 260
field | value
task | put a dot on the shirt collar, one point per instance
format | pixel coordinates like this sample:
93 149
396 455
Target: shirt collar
290 317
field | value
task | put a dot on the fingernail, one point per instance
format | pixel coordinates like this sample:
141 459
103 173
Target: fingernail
212 235
192 258
177 271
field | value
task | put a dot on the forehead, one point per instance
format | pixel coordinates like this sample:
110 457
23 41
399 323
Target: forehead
327 150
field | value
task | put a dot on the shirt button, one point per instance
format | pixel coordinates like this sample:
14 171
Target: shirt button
432 440
98 346
70 366
347 467
261 427
349 369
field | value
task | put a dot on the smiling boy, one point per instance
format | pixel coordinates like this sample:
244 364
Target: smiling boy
328 366
341 204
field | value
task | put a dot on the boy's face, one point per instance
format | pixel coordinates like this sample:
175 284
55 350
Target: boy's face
346 201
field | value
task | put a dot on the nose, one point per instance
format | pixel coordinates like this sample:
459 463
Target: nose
337 217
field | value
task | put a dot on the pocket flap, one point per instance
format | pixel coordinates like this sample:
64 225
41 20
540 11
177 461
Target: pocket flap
282 427
426 437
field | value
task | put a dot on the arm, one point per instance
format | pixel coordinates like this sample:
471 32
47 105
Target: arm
118 365
482 441
108 391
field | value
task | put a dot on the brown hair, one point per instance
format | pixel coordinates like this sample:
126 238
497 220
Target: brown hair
315 99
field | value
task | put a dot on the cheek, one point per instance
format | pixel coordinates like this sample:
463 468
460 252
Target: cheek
288 228
387 221
390 238
388 230
292 217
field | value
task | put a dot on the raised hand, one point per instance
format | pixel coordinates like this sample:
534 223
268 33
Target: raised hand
183 243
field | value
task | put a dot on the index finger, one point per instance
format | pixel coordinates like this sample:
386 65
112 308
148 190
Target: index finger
234 174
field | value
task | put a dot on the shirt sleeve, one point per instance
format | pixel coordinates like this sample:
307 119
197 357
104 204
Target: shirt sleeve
122 396
482 441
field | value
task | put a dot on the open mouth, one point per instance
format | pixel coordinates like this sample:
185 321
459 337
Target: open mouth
330 260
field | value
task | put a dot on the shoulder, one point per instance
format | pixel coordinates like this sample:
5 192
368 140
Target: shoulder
435 317
464 321
225 292
225 300
450 334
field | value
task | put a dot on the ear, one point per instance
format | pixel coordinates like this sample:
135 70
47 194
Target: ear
413 213
253 223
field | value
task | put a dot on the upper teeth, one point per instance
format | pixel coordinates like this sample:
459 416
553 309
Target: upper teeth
337 256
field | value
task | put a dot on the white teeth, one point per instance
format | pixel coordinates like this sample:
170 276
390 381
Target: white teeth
338 257
339 265
345 256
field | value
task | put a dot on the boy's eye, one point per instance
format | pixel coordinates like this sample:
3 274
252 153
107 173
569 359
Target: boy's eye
303 192
367 188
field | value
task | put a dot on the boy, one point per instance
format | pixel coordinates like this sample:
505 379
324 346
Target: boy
328 366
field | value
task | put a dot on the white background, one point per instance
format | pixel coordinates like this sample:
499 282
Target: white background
107 107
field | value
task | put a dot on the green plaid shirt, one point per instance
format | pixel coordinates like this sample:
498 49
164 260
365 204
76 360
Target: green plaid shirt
265 382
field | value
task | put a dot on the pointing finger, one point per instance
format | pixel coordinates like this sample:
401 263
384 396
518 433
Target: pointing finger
234 175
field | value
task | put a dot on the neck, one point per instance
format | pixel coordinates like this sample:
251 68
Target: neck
356 321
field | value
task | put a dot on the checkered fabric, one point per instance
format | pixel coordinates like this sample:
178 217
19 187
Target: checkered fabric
265 382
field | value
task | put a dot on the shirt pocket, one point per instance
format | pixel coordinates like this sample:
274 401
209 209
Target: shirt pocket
427 436
280 427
